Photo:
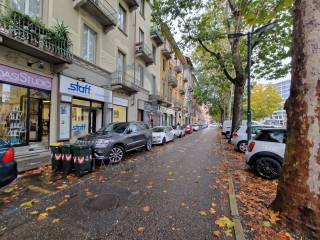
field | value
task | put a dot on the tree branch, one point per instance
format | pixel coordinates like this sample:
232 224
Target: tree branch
220 61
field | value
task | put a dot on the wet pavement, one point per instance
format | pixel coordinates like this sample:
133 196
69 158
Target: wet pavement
162 194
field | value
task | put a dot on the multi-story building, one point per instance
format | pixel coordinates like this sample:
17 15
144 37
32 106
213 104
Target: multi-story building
68 68
283 87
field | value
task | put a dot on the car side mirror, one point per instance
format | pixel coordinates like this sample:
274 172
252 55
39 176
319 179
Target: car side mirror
129 131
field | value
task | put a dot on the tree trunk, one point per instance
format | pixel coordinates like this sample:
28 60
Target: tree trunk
237 107
298 196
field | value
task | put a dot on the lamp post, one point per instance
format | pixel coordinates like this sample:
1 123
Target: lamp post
249 53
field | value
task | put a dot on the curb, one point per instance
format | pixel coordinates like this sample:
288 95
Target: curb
238 229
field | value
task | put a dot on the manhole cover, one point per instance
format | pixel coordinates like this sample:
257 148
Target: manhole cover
103 202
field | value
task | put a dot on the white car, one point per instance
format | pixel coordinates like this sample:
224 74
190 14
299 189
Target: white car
266 152
162 135
226 126
179 131
239 137
196 127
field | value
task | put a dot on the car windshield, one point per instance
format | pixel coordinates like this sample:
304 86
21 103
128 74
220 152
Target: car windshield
114 127
158 129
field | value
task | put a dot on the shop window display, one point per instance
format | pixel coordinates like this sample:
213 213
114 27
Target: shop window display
13 113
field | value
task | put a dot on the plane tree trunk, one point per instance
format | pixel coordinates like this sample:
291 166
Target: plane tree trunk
298 196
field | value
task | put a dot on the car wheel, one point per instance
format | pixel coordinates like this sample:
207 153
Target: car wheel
268 168
228 135
180 136
164 141
116 154
242 146
149 145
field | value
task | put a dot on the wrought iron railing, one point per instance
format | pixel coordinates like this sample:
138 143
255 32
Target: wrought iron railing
141 47
125 79
24 29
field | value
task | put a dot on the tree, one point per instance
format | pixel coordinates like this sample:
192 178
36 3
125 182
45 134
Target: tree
298 196
207 25
265 99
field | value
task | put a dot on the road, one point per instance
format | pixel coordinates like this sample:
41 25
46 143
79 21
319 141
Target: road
160 194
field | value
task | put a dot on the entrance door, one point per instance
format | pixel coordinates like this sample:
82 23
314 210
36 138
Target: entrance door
93 120
39 120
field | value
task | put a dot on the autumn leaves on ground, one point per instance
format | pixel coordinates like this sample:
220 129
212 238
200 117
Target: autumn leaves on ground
176 191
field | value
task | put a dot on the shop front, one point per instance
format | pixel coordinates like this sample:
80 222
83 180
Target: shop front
24 106
167 116
81 108
120 109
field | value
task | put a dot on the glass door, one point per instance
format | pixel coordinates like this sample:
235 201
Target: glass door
35 120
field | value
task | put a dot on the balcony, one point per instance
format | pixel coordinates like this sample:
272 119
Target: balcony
144 53
101 10
172 80
133 4
167 51
178 69
21 33
124 82
157 36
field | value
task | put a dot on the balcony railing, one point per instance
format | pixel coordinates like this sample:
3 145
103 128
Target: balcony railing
156 35
122 80
172 80
26 35
144 53
101 10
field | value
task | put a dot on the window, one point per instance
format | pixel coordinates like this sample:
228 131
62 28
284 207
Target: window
29 7
133 127
121 62
141 36
89 44
140 77
164 65
142 7
154 53
122 18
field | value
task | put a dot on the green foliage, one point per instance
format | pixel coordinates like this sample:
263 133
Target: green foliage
265 99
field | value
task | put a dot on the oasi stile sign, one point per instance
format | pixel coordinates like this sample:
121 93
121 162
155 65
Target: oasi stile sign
84 90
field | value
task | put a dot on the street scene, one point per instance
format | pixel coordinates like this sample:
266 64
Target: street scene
159 119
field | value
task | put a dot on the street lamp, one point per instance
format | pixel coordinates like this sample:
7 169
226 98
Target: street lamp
249 46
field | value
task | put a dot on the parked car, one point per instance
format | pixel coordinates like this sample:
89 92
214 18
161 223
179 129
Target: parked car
116 139
188 129
162 135
179 131
266 152
196 127
239 137
8 165
226 126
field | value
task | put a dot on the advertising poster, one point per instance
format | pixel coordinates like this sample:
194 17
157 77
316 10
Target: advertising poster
64 129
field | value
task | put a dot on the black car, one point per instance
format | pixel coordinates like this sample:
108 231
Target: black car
8 166
113 141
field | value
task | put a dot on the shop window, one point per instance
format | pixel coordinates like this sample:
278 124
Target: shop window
28 7
119 113
80 122
89 44
13 114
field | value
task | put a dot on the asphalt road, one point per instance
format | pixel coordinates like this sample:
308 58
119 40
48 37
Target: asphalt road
152 195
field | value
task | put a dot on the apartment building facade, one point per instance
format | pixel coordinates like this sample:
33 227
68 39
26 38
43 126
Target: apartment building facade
116 67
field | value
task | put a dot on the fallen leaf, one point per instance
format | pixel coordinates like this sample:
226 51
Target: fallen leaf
146 209
170 173
170 179
88 194
62 202
213 205
165 191
202 213
148 187
274 216
50 208
42 216
228 233
216 233
34 212
183 204
266 224
62 186
212 211
140 229
38 189
9 190
56 220
29 204
224 222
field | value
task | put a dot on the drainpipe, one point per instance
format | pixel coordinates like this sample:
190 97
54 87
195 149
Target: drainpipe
134 45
